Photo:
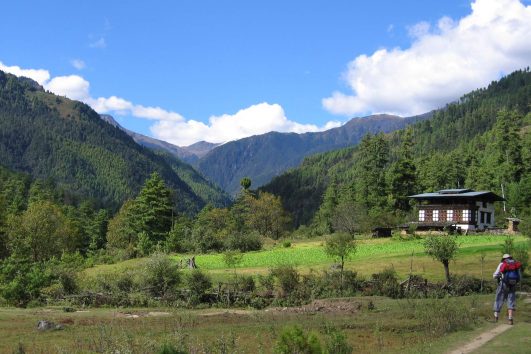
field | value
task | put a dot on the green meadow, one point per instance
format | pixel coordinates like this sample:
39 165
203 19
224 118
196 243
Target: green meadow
372 255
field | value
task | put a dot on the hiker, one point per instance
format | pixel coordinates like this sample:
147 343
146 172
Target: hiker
508 275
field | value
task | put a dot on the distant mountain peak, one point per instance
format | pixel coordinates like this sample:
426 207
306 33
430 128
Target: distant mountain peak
188 154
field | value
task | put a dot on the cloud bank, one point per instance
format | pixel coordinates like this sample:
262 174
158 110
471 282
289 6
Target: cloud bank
254 120
443 62
171 126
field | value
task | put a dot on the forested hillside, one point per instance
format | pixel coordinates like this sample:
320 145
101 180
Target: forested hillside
482 141
265 156
51 137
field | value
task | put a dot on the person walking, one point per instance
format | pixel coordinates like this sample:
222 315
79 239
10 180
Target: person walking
508 275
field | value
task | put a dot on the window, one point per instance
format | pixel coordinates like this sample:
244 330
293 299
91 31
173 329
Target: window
449 215
422 215
488 218
482 217
466 215
436 215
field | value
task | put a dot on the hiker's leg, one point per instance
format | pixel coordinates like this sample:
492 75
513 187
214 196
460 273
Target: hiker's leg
511 302
498 301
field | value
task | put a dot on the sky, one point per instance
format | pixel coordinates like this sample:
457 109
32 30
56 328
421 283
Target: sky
218 70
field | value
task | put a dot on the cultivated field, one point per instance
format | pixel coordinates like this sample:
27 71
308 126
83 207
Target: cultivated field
372 255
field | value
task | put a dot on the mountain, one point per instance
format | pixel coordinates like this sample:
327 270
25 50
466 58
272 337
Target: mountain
52 137
481 142
188 154
263 157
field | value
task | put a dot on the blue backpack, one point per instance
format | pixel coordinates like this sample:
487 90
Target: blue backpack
511 275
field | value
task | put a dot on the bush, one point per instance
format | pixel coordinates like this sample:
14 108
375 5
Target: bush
145 245
463 285
336 342
294 340
68 281
198 283
169 349
161 275
288 278
22 280
286 243
245 283
244 242
385 283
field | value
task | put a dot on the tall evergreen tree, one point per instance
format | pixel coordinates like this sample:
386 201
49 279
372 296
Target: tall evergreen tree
403 174
154 208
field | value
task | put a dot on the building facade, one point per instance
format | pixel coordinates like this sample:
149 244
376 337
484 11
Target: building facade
463 209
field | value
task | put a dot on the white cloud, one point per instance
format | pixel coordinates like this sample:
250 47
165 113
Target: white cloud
72 86
441 64
39 75
257 119
99 43
78 64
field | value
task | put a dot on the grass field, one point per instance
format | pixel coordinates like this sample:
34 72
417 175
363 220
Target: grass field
393 326
372 255
390 327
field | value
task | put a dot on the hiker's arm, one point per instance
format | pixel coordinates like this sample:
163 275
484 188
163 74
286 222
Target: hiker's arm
498 272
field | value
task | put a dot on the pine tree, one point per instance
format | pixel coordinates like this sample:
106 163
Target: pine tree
402 174
154 208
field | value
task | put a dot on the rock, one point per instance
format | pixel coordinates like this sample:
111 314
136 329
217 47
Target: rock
44 325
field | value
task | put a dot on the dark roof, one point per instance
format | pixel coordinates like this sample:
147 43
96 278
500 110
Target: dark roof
458 194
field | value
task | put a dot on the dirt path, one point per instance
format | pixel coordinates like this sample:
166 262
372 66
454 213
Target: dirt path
480 340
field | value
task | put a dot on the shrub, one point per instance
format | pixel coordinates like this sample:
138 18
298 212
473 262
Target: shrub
336 342
466 285
145 245
245 283
68 282
288 278
286 243
169 349
385 283
244 242
294 340
198 283
267 282
161 275
22 281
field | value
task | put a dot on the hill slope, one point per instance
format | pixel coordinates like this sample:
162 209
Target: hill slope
53 137
263 157
467 143
172 155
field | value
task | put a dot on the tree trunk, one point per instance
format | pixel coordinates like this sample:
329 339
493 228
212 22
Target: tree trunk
446 271
341 276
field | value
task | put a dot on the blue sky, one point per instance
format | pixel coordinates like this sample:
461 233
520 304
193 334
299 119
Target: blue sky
185 71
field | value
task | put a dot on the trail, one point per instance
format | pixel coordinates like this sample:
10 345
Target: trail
480 340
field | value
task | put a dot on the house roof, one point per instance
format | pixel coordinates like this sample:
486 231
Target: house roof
458 194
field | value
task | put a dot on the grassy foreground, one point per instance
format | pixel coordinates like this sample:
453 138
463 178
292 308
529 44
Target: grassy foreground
370 324
393 326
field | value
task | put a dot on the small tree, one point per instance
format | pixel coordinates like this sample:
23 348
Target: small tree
295 340
232 259
340 245
442 248
245 183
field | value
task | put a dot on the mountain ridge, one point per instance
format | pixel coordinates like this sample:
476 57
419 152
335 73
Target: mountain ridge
262 157
52 137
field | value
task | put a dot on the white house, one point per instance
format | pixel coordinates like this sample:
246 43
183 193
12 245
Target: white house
463 209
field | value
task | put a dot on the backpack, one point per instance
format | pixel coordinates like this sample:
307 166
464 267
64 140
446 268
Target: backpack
511 274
